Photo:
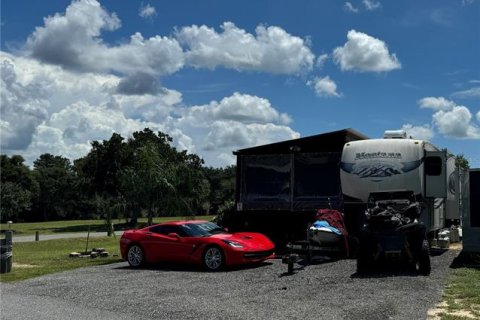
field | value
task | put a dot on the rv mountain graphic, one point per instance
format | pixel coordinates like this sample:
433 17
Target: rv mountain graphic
388 165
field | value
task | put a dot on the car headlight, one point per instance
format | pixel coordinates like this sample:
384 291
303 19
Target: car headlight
233 244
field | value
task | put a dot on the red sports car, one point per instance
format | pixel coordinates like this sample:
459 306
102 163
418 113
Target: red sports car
195 241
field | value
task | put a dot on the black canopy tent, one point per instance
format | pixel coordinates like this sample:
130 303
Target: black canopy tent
280 186
294 175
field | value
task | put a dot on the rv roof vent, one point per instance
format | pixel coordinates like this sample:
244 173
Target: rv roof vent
395 134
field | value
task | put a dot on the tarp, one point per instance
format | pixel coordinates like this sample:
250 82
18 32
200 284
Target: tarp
324 225
334 219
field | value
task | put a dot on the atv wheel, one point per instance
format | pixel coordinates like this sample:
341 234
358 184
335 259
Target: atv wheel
423 261
364 259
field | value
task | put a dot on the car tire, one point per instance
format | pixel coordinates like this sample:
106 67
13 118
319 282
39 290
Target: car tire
135 256
213 258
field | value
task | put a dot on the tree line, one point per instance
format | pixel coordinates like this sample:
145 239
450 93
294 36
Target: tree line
119 178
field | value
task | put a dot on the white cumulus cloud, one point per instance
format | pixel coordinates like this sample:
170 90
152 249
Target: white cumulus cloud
48 109
324 87
69 87
247 108
235 122
456 123
423 132
436 103
365 53
72 40
272 49
238 107
321 59
450 119
371 4
81 122
469 93
23 107
348 6
47 139
147 11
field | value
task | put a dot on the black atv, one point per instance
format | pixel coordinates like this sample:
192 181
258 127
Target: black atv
392 232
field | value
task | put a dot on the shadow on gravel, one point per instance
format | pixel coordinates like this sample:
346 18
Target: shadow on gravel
466 260
175 267
386 270
435 252
303 263
385 274
295 270
325 260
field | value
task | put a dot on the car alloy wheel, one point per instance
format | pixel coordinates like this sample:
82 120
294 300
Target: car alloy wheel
213 258
135 256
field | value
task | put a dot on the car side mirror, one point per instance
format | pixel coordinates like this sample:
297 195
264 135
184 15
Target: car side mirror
174 235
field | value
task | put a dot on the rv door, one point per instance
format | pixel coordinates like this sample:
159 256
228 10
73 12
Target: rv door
436 174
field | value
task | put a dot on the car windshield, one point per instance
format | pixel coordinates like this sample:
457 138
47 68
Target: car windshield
203 229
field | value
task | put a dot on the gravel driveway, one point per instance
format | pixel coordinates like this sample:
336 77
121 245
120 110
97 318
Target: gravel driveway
329 290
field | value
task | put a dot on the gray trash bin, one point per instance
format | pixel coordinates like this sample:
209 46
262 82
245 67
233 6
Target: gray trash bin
6 256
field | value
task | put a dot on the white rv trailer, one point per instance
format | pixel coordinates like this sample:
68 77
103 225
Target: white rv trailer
399 164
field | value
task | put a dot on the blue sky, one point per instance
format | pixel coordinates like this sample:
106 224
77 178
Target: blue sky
224 75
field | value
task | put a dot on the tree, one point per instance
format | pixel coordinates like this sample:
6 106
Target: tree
18 188
148 181
191 185
58 187
144 174
102 165
222 184
461 162
161 180
15 201
99 172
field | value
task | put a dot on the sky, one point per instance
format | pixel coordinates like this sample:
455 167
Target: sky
219 76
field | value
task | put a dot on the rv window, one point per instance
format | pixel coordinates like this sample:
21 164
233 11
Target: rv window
433 166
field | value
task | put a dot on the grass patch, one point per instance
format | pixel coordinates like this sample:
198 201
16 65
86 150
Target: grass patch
446 316
462 295
33 259
53 227
463 292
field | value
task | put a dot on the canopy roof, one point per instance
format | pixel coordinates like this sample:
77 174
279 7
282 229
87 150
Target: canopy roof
326 142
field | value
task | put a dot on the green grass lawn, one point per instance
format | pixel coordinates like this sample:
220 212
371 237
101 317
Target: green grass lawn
54 227
462 295
33 259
